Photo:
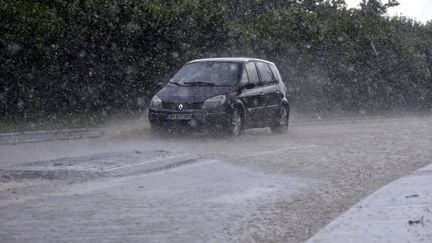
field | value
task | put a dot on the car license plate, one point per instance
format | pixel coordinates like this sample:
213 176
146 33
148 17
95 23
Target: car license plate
179 116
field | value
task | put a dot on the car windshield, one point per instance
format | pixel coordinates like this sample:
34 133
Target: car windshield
211 73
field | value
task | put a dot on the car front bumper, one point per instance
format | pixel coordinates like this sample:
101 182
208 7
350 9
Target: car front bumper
193 119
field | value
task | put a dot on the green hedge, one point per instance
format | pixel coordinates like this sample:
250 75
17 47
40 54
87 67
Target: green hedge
86 56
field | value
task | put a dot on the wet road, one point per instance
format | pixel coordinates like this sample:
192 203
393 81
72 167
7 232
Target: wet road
257 187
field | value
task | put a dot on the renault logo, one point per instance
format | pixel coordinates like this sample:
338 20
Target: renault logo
180 106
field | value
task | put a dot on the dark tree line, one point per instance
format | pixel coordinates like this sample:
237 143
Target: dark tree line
90 56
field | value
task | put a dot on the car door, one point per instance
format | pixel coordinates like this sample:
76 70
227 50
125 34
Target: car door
250 94
270 93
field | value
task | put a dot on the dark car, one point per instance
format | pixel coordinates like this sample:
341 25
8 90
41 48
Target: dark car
224 93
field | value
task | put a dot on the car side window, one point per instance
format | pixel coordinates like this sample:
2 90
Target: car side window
267 76
252 73
275 72
244 78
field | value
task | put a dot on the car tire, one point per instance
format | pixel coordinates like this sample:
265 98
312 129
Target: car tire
281 121
235 123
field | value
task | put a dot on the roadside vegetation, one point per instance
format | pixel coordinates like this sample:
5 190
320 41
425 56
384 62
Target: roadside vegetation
95 57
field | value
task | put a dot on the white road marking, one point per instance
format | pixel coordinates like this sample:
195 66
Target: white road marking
277 151
146 162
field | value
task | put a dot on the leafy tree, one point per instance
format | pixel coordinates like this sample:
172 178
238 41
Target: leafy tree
90 56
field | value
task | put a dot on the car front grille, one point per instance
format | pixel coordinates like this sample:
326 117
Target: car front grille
186 106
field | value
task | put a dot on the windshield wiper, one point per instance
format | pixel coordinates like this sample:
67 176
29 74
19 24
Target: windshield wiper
199 83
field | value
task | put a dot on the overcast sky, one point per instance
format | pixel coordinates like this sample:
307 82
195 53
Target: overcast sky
420 10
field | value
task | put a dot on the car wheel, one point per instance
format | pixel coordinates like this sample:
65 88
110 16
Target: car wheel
235 125
281 121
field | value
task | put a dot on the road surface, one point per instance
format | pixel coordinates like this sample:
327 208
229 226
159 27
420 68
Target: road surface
194 188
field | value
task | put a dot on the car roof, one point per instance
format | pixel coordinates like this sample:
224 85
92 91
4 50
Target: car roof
229 59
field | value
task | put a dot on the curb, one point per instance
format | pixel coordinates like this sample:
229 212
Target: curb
398 212
40 136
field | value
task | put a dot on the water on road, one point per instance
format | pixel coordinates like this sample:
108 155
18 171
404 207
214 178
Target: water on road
257 187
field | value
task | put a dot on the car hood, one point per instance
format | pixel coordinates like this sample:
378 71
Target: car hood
191 94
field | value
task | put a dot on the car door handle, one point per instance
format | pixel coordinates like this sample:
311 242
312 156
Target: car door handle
262 93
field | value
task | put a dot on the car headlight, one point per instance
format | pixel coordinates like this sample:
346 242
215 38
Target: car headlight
214 101
156 102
